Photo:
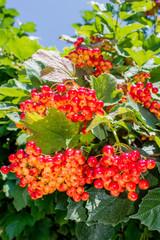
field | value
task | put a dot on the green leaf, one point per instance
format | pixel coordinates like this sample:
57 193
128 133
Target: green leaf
21 139
5 35
108 209
17 223
130 234
2 3
14 116
7 22
7 107
41 230
36 213
15 88
76 211
149 208
61 199
143 6
28 27
140 56
21 197
94 232
108 119
8 188
86 139
105 87
100 132
124 31
60 217
22 48
33 70
46 204
98 23
54 129
11 11
152 43
155 73
142 114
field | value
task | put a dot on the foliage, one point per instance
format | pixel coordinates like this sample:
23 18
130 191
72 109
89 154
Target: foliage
128 35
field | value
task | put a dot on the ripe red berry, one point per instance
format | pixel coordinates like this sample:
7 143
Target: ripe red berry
149 86
4 169
150 164
155 90
133 196
92 161
31 145
131 186
85 196
61 88
98 184
144 184
108 150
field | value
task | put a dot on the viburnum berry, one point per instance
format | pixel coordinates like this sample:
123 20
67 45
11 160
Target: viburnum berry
108 150
79 105
133 196
85 196
144 184
4 169
151 164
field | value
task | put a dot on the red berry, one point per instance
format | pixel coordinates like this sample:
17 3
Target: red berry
61 88
133 196
108 150
131 186
77 197
150 164
80 40
45 89
149 86
4 169
92 161
144 184
155 90
83 130
85 196
134 155
98 184
31 145
114 185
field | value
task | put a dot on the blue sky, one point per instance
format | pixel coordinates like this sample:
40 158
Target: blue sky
52 17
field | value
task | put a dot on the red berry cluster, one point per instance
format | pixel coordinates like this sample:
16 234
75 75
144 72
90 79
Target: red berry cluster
141 77
108 46
89 57
118 173
43 174
78 105
142 95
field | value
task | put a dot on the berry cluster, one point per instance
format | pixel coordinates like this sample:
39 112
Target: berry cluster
89 57
118 173
43 174
68 172
141 77
108 46
78 105
142 95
